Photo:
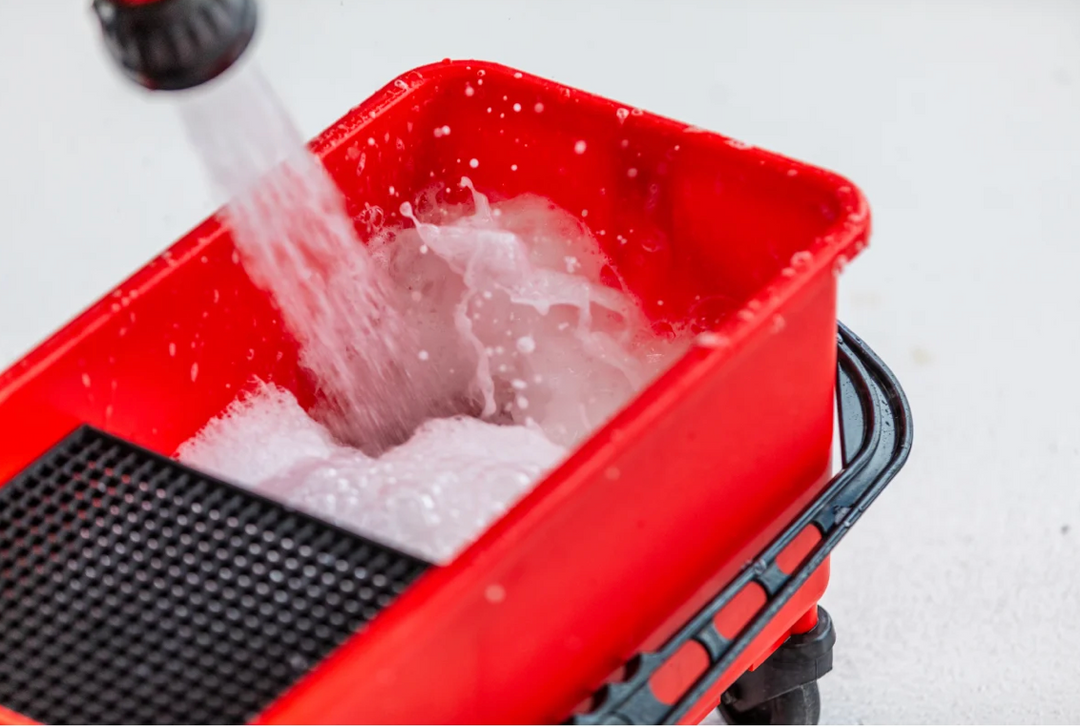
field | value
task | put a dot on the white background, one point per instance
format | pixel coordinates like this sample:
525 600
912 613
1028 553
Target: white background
957 598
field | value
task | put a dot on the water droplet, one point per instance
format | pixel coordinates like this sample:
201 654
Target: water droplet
172 349
519 385
801 258
522 402
631 172
517 107
580 146
621 114
194 372
513 167
469 90
526 344
423 355
538 108
86 380
495 593
474 163
708 339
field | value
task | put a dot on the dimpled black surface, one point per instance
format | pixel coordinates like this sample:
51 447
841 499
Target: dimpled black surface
136 590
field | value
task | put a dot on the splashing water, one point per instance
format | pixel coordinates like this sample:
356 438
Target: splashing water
457 362
510 293
533 353
296 241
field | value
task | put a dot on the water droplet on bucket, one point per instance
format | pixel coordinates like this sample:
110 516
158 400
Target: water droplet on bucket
801 258
708 339
495 593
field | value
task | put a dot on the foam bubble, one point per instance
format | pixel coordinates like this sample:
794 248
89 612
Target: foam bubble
432 495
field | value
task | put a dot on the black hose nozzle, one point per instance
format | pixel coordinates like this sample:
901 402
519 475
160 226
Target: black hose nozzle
171 45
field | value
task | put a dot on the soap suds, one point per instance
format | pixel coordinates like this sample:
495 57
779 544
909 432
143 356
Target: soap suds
530 353
430 496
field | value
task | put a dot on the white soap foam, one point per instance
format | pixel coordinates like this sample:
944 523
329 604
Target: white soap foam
432 495
498 303
531 354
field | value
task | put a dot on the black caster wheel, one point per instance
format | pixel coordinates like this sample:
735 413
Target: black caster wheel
802 705
784 689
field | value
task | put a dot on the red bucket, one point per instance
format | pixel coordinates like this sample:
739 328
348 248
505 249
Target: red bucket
640 525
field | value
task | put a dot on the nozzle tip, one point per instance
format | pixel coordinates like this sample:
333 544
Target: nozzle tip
171 45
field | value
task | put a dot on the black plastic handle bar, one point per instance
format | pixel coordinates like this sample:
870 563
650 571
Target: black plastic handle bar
875 435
